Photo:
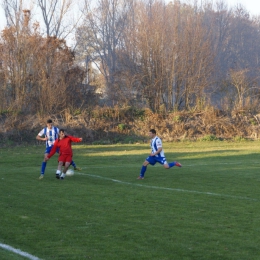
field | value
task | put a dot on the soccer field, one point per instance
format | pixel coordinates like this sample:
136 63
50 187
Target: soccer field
208 209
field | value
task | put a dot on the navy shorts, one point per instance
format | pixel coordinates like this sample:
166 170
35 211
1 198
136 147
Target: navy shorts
48 150
153 160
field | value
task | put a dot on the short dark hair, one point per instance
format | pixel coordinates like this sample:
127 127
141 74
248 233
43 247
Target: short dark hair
62 130
152 131
49 121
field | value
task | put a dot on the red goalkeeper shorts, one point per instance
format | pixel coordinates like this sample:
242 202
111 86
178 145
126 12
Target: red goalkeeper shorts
65 158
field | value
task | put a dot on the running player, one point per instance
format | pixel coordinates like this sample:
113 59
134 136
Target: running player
157 155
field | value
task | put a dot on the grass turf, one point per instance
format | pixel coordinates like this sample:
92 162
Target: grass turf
208 209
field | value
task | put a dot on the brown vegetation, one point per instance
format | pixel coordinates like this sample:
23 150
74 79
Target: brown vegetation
113 125
190 71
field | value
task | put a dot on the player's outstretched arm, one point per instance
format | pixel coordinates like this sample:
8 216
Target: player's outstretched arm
75 139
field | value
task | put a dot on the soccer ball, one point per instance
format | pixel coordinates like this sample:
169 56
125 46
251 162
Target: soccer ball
69 172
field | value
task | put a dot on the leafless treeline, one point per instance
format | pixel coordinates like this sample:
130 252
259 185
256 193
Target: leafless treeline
165 56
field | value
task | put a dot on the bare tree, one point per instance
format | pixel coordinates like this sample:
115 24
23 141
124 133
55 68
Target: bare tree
173 54
37 73
101 36
14 12
235 45
58 17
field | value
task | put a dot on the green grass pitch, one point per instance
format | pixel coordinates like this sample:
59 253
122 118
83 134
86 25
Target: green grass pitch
208 209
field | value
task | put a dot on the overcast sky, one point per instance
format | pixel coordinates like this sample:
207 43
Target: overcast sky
253 6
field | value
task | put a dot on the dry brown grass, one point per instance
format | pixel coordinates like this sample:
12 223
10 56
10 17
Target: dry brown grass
114 123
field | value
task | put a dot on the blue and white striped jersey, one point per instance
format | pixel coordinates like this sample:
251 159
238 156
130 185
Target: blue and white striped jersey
52 135
156 143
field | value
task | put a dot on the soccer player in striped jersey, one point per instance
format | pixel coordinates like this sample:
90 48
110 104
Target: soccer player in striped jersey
156 155
49 134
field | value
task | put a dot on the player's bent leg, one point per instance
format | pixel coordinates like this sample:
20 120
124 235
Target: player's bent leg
170 165
178 164
143 170
58 172
43 169
66 166
75 166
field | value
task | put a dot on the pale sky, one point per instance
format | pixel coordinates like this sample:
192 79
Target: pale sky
253 6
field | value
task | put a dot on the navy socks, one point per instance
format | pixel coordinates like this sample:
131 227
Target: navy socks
143 170
43 167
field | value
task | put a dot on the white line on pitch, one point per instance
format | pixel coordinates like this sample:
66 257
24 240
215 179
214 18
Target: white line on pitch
18 252
183 165
170 189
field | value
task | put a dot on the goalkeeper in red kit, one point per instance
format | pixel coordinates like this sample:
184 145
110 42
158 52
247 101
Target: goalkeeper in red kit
63 143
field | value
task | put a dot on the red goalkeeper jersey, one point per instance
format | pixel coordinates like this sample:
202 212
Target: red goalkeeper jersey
64 145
